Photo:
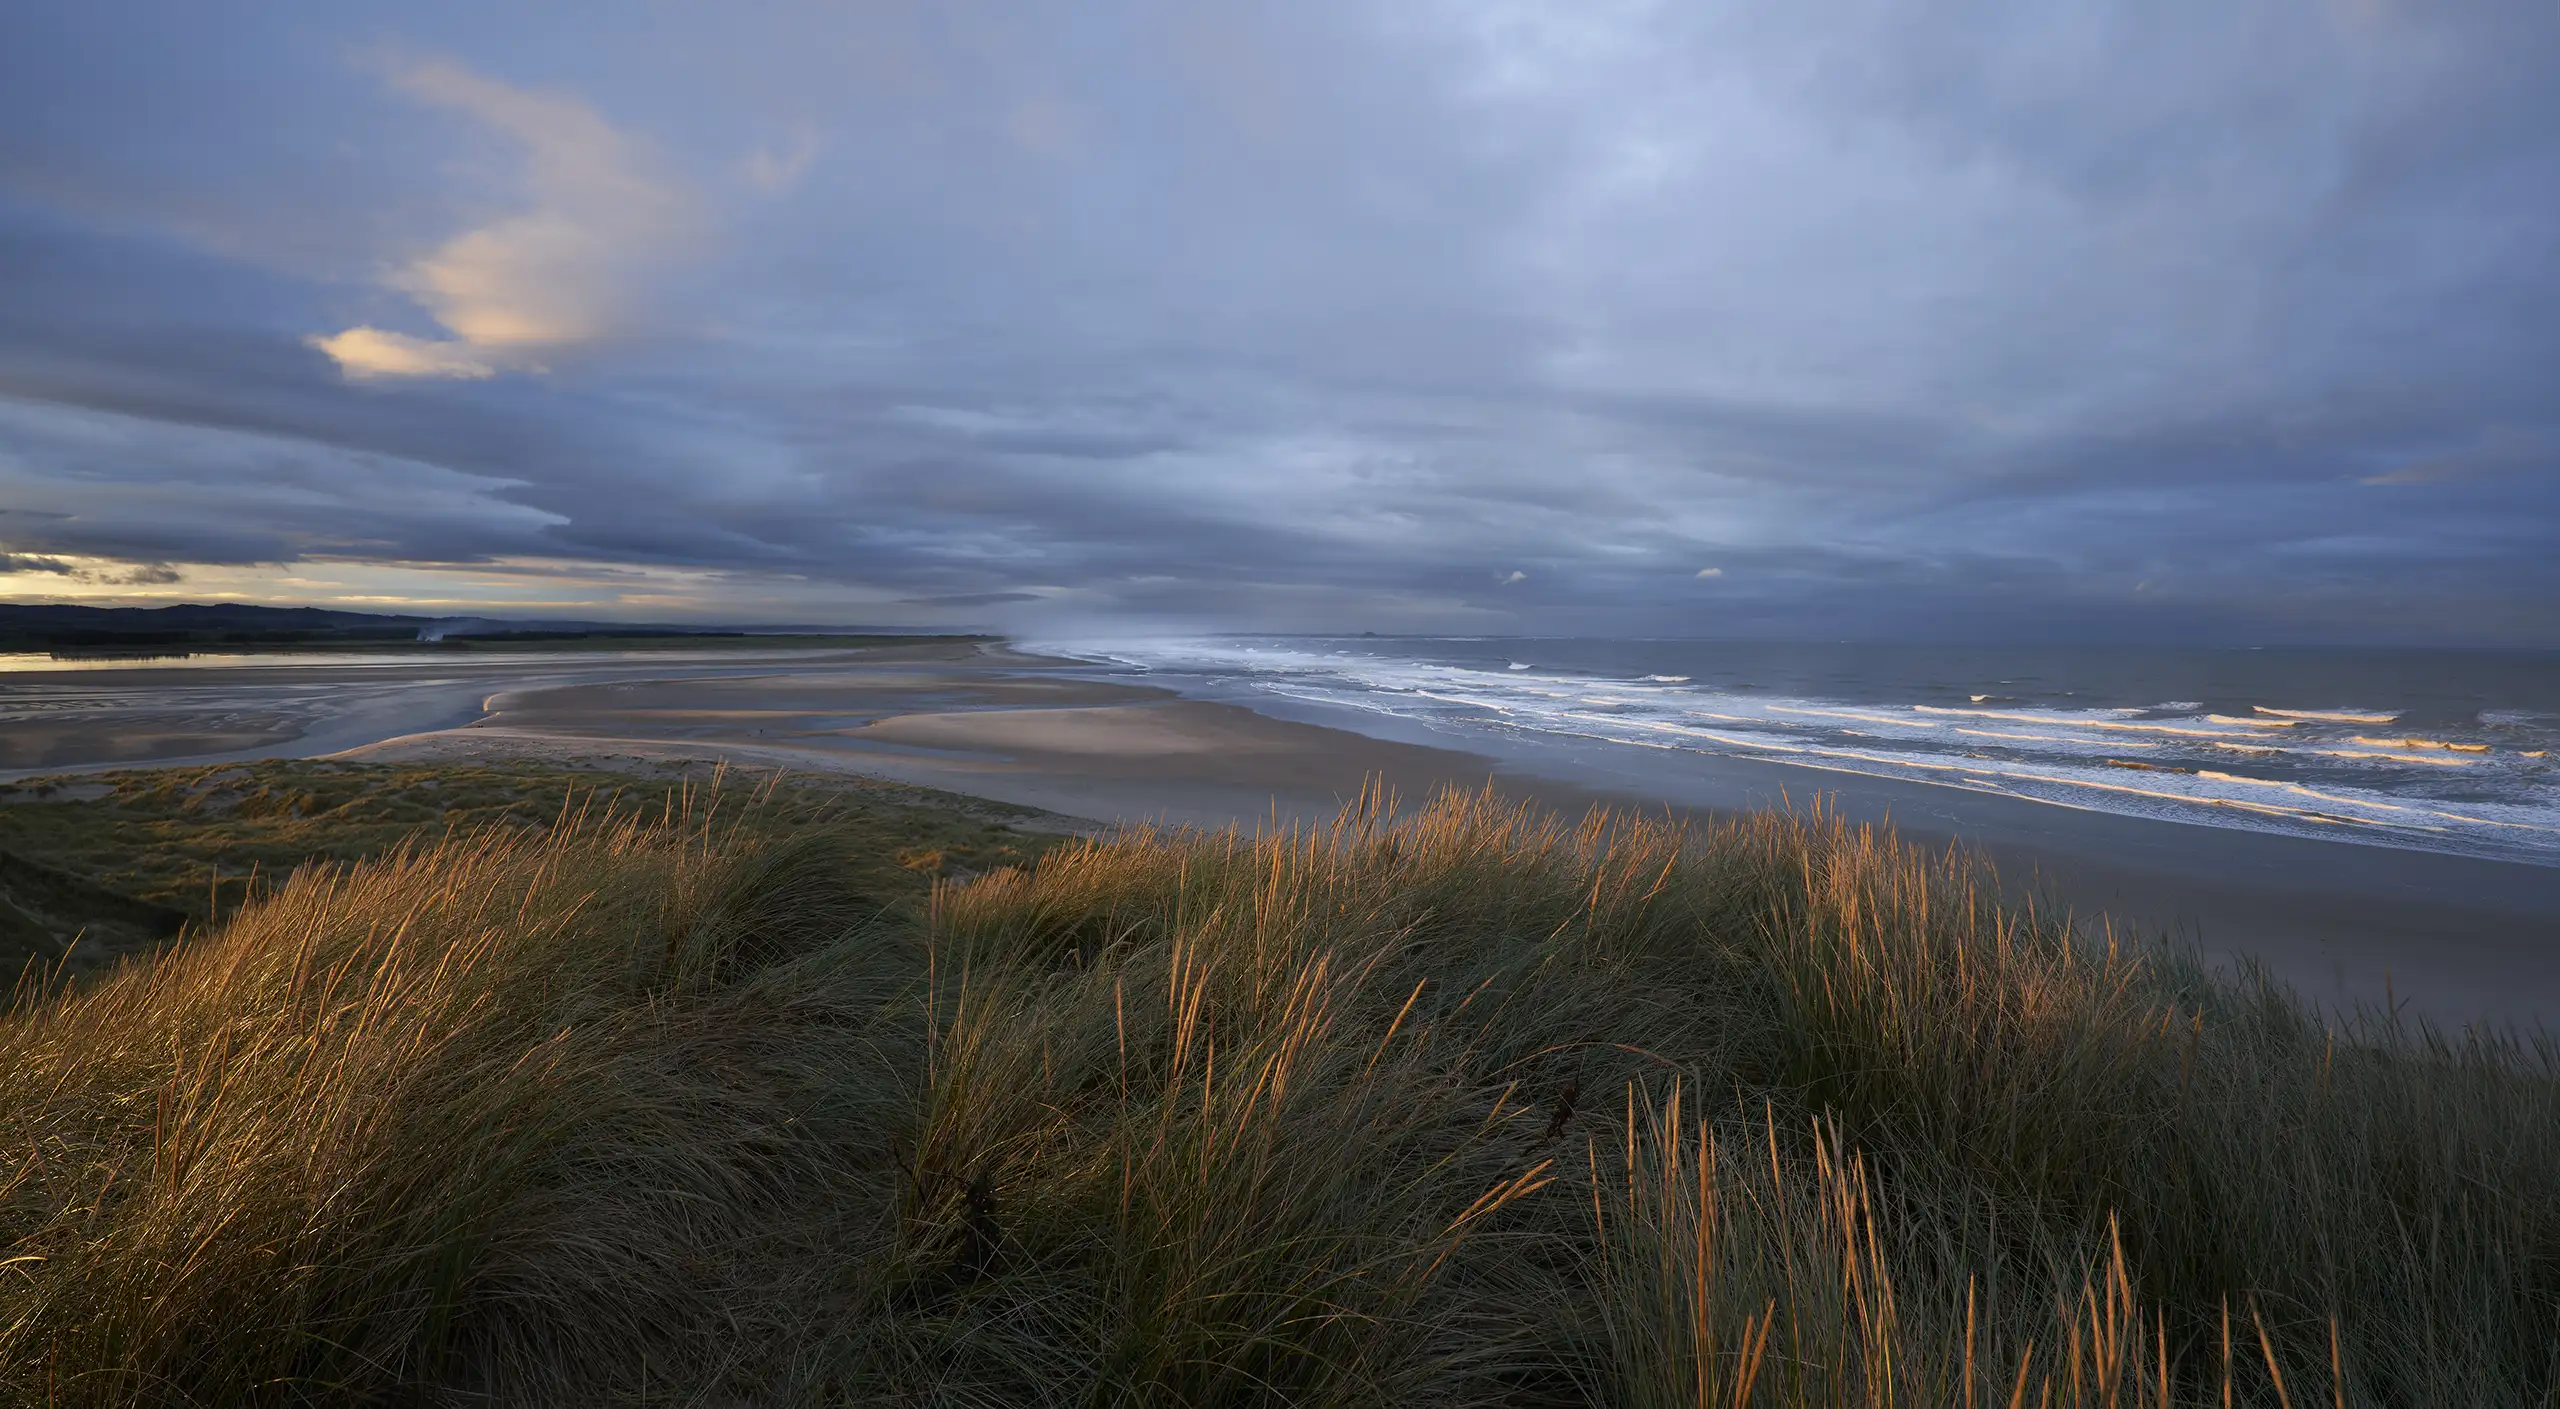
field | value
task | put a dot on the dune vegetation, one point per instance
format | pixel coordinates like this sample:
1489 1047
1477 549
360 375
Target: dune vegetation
1470 1105
96 868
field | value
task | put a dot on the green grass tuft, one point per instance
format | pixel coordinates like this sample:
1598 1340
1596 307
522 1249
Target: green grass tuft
1475 1106
95 868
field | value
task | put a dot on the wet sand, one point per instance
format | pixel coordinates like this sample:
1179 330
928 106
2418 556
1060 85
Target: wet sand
2450 938
226 709
1103 751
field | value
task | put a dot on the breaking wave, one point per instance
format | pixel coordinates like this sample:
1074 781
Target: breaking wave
2300 771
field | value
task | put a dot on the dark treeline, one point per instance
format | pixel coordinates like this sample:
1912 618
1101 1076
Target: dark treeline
77 630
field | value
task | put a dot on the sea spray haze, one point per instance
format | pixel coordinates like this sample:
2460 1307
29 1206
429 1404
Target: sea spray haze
2454 751
1468 1106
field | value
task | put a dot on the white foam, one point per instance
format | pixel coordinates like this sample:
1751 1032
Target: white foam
2318 783
1849 714
2449 745
2383 756
2067 740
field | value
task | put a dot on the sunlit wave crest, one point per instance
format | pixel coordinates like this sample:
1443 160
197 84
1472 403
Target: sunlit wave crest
2307 770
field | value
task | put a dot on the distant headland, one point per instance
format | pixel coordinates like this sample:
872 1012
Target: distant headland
79 631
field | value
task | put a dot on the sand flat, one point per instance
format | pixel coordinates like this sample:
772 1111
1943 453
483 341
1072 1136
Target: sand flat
220 709
1102 749
130 741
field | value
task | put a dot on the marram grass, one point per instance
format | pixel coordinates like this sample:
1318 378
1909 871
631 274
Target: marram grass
1471 1106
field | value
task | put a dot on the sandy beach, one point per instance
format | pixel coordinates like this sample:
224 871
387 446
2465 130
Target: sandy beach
2452 938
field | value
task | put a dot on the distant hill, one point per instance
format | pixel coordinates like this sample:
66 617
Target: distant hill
79 630
201 616
70 628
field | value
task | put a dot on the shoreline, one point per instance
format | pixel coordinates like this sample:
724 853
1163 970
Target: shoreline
2452 938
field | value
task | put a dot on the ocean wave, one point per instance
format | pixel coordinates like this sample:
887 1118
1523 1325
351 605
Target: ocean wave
2221 777
2431 759
2299 770
1848 714
2055 738
2447 744
2183 730
2024 716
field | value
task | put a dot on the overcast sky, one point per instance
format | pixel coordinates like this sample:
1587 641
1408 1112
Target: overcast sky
2225 321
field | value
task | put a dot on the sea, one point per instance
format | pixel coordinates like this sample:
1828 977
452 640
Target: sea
2445 751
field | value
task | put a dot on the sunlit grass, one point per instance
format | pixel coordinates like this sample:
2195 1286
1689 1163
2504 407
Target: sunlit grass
94 867
1474 1106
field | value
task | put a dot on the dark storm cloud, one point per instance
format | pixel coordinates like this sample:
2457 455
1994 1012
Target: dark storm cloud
2188 320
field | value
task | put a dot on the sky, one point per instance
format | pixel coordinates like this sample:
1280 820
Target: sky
2210 321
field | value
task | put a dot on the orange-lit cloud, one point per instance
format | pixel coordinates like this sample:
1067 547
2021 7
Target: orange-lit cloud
597 216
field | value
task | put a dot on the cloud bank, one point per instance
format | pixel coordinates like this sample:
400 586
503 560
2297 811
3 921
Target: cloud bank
2106 321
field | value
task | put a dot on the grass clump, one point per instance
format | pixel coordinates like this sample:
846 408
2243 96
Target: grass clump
1472 1106
457 1117
95 868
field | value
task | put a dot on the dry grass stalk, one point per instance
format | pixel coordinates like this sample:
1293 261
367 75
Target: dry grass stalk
1470 1105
